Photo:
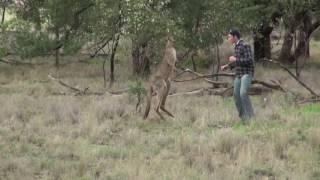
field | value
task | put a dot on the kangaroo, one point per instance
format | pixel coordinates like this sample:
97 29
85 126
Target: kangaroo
159 82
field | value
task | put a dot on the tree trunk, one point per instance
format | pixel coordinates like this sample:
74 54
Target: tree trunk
267 46
295 46
194 66
285 53
3 14
104 72
262 47
57 53
112 58
57 58
303 47
262 42
140 60
218 60
307 26
258 47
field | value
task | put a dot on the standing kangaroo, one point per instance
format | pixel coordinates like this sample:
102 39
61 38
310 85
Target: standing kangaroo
159 83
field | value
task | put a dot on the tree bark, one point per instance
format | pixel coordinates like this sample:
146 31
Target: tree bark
262 42
218 60
112 58
3 14
140 59
57 53
304 20
104 72
194 66
285 54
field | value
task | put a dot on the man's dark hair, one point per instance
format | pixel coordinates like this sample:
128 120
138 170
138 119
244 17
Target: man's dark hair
235 32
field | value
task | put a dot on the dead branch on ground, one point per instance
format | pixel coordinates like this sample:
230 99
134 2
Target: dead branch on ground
85 91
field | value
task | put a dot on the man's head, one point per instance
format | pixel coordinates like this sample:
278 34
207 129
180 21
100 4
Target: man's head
234 36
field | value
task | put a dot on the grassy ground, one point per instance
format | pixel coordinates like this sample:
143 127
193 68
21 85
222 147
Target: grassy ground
47 136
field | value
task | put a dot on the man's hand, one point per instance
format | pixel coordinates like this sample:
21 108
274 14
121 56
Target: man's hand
224 67
232 59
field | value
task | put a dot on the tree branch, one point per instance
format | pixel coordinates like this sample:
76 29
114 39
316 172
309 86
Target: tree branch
274 86
201 76
74 26
101 47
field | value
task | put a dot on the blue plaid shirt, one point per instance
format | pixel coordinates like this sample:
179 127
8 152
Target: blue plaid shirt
244 63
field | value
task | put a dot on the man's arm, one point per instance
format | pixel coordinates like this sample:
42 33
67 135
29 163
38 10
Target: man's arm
232 65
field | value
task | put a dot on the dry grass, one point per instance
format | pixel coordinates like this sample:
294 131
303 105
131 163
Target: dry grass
45 136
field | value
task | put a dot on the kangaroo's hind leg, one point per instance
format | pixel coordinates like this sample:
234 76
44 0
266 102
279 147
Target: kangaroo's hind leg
160 96
164 99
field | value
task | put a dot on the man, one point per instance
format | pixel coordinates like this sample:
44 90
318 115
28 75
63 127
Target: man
242 63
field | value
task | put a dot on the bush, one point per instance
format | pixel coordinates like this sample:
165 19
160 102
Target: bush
200 61
137 89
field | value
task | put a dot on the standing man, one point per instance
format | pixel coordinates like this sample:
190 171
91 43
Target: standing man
242 63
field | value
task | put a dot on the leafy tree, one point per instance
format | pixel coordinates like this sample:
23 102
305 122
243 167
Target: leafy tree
106 28
147 22
49 26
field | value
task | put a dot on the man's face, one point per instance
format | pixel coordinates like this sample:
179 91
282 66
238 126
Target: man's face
232 39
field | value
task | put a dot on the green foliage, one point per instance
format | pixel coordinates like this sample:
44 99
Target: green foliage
137 89
42 26
291 98
195 24
3 52
73 45
200 61
202 23
31 45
